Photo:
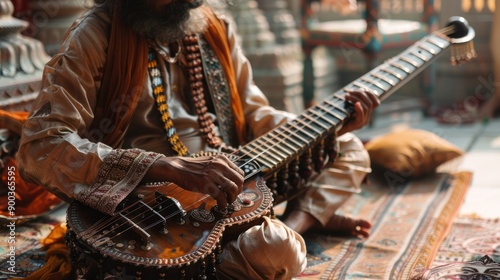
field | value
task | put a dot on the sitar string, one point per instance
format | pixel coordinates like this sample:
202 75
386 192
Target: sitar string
107 223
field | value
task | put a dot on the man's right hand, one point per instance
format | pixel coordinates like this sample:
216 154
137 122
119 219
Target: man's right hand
216 176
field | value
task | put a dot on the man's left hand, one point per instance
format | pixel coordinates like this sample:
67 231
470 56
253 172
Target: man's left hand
364 103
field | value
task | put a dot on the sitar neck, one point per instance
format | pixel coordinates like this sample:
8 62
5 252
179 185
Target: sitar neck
388 77
285 143
292 152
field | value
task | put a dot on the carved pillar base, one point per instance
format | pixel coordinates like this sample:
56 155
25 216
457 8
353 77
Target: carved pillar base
21 61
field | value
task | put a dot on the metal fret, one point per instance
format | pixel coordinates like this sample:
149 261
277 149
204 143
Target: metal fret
260 157
280 146
308 125
265 160
435 42
338 97
328 112
322 116
273 154
294 134
383 78
392 72
315 121
377 84
419 55
336 105
411 61
360 85
286 142
402 67
427 49
294 123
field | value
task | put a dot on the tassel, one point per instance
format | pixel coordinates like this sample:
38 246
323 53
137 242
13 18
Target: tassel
462 53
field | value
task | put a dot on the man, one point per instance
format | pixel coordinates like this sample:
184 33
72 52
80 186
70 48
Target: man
132 91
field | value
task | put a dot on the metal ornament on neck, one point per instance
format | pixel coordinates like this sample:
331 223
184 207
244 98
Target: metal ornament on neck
165 51
461 35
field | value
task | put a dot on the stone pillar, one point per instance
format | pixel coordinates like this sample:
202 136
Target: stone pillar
22 59
281 22
253 28
275 57
51 19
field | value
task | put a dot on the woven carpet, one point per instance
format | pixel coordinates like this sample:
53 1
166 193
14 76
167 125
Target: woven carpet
410 220
470 238
471 250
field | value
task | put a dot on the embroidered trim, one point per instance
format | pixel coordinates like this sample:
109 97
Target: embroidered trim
120 173
219 92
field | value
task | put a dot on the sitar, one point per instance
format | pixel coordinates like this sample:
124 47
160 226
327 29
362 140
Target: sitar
166 232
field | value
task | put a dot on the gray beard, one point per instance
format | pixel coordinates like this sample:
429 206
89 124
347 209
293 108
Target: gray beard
196 22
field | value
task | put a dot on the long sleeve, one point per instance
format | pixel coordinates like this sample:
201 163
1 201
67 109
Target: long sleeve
54 151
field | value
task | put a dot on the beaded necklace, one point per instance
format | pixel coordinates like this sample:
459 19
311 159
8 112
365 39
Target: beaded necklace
195 72
161 103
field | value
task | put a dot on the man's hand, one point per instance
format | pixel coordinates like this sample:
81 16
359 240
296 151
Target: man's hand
364 104
216 176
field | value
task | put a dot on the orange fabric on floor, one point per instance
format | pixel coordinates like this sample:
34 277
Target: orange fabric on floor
13 120
58 263
30 199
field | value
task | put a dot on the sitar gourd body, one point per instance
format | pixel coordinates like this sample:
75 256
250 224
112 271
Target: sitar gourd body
165 232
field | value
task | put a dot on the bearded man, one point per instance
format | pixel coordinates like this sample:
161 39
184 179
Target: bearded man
139 84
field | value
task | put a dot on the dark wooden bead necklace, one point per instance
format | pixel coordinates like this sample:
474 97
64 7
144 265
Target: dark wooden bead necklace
194 69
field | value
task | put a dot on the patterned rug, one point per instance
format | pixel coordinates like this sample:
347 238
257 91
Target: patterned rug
410 220
470 238
20 247
471 250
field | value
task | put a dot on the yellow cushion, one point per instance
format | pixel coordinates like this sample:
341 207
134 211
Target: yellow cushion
410 153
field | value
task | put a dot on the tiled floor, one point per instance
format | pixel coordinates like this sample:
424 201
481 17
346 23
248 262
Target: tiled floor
480 141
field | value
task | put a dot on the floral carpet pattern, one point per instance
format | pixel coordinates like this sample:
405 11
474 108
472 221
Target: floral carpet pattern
470 251
410 220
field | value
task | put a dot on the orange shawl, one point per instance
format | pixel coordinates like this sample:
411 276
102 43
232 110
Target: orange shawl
126 69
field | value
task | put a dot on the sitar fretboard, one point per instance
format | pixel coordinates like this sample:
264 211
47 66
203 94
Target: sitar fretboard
288 141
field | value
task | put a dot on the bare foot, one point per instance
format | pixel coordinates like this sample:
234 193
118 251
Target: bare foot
342 225
338 225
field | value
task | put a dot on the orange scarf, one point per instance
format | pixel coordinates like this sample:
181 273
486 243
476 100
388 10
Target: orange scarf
125 72
122 82
58 262
217 31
